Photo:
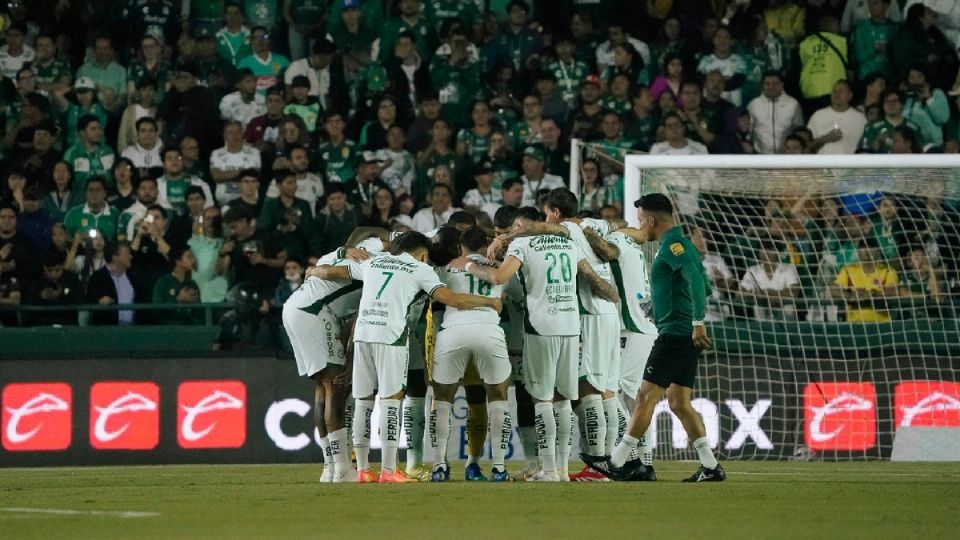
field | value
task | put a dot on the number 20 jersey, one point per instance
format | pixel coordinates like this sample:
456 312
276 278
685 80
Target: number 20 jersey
548 276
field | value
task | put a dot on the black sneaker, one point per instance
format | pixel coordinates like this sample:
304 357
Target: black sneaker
704 474
601 464
632 471
644 473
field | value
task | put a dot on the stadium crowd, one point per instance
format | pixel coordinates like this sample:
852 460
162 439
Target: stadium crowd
160 151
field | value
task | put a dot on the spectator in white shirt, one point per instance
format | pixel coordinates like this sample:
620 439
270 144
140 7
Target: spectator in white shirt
439 211
145 153
227 162
771 284
837 129
676 144
535 177
309 185
617 35
773 114
245 103
16 53
483 196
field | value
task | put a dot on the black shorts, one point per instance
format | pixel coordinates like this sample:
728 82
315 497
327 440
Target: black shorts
673 360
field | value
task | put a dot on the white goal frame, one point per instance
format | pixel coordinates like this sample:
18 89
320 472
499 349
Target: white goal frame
636 163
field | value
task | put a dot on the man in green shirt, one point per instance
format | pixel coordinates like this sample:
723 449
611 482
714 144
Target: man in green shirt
290 218
90 156
233 40
413 21
178 288
94 215
871 40
878 136
338 155
679 290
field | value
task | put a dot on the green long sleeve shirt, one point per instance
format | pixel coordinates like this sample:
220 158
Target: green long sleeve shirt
679 288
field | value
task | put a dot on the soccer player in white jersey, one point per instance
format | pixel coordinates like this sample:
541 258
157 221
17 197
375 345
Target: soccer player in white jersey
473 335
391 282
548 266
600 336
638 332
311 317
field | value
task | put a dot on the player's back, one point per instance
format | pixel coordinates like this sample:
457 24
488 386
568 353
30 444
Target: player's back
342 297
548 276
590 303
391 283
630 276
461 281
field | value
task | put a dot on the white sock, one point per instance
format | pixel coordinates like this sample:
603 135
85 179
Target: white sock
546 435
707 459
594 424
498 414
361 432
389 433
564 417
626 445
414 420
613 424
325 448
645 449
528 441
339 450
441 431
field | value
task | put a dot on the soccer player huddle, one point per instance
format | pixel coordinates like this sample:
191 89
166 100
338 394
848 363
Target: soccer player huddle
581 348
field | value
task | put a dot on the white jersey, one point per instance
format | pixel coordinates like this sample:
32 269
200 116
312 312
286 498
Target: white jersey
461 281
341 297
391 283
633 284
548 276
590 303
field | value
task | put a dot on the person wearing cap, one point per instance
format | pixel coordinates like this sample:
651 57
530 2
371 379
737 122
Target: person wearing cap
323 71
109 77
264 64
568 71
51 72
244 103
354 33
414 21
483 196
233 40
302 104
16 53
535 177
338 155
89 156
149 63
585 119
305 19
81 102
516 42
362 189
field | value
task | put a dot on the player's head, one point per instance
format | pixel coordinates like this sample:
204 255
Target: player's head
525 216
360 235
414 243
462 220
503 219
560 204
473 240
655 214
444 246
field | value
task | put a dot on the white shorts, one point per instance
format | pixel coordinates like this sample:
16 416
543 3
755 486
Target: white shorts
600 350
314 338
379 368
634 351
550 364
482 343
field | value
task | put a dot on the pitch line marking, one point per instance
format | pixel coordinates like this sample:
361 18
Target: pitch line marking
67 512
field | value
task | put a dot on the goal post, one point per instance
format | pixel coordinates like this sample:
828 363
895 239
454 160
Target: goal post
835 298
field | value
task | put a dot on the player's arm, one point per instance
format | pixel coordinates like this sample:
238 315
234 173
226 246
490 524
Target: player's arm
637 235
496 275
500 243
606 251
598 285
339 273
465 301
692 273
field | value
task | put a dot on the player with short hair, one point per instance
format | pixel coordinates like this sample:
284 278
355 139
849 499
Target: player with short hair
679 292
391 283
312 319
548 266
475 336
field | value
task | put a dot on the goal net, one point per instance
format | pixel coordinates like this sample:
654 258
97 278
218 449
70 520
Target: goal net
834 303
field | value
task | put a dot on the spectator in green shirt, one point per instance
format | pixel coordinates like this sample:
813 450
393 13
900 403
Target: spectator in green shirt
290 219
82 102
926 106
177 288
411 20
304 20
90 156
94 214
872 40
456 78
110 77
878 135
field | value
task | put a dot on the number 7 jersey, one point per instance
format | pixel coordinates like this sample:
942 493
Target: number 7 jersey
548 276
391 284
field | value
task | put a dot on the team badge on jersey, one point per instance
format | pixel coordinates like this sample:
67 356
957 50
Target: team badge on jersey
676 248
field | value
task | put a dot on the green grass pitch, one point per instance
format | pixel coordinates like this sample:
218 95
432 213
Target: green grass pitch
759 500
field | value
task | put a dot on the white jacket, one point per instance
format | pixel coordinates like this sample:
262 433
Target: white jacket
772 121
